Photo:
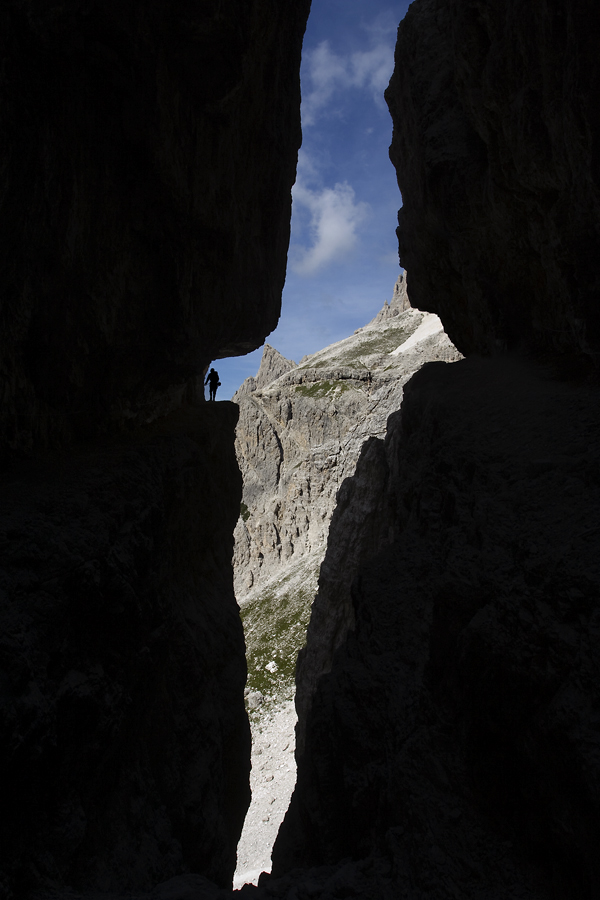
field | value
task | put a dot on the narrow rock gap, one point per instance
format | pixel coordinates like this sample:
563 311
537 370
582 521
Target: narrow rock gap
300 433
272 781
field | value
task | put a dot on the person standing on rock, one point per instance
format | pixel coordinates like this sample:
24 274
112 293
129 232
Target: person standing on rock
212 380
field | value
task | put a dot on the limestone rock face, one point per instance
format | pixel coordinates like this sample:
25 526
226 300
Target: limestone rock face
147 157
455 741
400 301
496 146
272 365
300 434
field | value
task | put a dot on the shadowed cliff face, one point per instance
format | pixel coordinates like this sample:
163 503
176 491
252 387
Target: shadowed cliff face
147 156
455 741
125 744
452 749
496 130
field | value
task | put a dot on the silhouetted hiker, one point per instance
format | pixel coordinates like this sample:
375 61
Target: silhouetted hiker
212 380
369 381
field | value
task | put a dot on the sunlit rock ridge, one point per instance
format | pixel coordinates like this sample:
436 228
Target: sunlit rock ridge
300 432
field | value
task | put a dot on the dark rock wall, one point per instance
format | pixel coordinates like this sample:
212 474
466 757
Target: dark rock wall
361 516
147 156
496 144
125 744
455 741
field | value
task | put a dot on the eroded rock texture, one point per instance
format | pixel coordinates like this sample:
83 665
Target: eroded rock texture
496 146
272 365
301 430
147 156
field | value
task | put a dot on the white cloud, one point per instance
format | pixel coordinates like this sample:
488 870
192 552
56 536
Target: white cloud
326 72
372 69
384 26
329 73
335 217
390 259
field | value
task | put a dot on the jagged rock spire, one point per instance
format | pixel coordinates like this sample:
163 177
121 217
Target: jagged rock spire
272 365
398 304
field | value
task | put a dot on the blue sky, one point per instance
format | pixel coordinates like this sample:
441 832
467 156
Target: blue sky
343 257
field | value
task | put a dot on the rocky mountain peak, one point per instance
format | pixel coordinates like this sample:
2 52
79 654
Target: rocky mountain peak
399 303
300 433
400 298
272 366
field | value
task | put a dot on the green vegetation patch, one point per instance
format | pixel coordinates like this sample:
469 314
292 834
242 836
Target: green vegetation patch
244 512
319 389
275 629
381 344
374 343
